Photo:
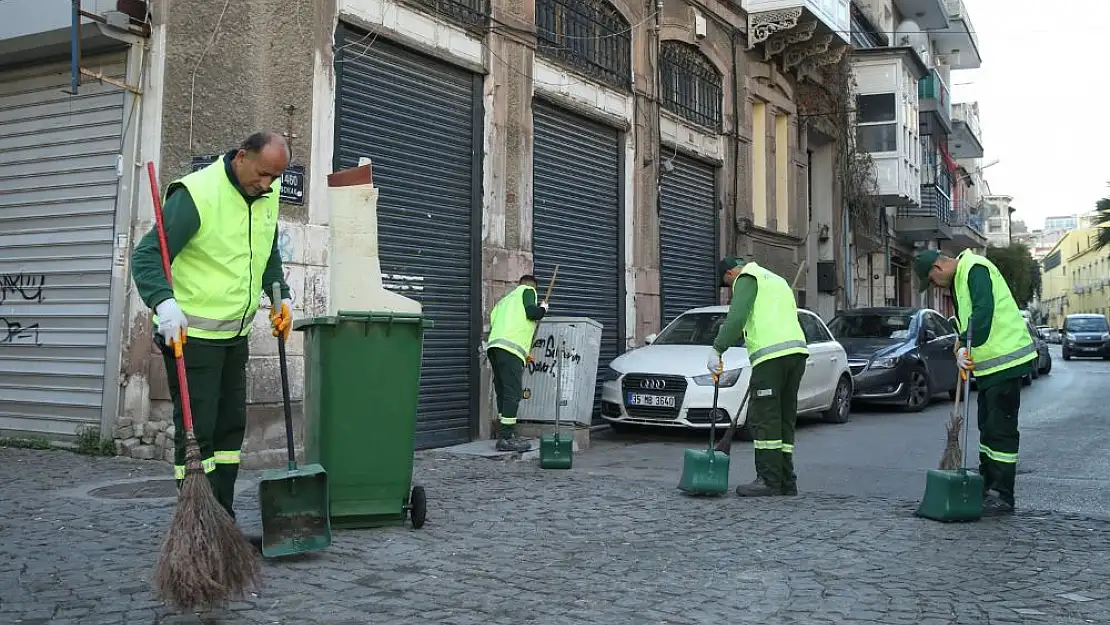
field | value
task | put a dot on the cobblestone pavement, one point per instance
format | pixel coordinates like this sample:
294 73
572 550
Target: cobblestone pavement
508 543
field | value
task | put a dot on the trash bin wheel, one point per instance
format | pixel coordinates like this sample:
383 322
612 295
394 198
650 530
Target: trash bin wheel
418 507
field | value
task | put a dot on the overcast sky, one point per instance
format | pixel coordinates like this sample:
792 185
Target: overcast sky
1044 102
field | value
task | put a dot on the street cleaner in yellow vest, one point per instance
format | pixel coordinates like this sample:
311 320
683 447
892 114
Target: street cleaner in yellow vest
221 235
1002 352
764 313
512 324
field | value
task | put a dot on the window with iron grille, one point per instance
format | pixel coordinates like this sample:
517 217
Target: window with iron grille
590 36
691 85
466 13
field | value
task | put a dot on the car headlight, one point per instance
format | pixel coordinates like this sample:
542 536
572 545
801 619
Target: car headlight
609 374
1106 336
888 362
728 378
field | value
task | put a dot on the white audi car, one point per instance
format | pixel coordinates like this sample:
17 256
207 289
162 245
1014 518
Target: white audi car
665 383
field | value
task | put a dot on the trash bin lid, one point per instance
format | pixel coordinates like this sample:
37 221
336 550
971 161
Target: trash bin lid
364 316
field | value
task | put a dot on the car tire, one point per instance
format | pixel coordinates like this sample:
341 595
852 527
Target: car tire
951 394
1036 372
1067 355
919 392
841 409
1047 367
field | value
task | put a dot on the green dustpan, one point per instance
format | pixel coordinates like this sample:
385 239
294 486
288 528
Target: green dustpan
556 450
706 472
294 501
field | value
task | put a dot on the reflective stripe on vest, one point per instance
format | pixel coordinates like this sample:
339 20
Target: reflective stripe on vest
217 276
510 327
773 329
1009 343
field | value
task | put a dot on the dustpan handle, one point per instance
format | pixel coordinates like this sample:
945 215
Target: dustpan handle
967 397
275 300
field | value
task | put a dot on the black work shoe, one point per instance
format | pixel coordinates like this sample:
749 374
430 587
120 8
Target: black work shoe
993 504
757 488
518 445
790 490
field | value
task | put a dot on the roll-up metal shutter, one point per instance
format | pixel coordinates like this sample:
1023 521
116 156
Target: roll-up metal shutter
58 186
688 237
576 220
415 118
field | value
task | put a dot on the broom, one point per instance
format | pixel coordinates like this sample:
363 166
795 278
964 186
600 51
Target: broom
205 558
953 455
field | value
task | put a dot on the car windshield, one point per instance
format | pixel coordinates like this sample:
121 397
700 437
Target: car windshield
693 329
1085 324
871 326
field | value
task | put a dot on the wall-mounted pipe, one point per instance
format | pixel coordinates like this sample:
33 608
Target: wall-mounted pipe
75 47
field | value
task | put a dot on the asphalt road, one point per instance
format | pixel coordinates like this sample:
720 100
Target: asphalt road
1064 460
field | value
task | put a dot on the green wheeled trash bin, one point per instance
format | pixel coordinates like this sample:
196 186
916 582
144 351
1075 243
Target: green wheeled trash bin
362 386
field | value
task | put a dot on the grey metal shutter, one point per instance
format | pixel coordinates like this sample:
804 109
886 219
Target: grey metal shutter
58 186
414 117
688 237
576 221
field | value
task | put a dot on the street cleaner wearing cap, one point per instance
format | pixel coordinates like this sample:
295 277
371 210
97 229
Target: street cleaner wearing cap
512 325
763 311
1003 353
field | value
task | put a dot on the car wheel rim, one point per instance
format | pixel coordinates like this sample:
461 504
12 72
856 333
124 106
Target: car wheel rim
842 399
917 389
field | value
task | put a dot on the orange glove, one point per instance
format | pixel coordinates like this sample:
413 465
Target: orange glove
281 319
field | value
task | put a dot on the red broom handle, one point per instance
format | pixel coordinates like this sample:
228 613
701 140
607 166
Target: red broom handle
182 381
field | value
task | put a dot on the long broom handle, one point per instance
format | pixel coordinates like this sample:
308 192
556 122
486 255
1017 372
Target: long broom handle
179 358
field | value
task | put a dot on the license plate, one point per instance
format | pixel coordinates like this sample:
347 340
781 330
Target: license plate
660 401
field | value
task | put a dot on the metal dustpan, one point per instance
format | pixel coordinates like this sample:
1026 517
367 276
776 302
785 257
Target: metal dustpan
293 501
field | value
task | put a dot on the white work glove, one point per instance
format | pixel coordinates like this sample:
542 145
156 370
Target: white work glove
963 359
543 305
171 321
716 363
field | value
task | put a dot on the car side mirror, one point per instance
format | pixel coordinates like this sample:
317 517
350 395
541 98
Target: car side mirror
952 322
649 339
928 335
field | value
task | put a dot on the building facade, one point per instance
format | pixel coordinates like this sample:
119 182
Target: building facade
1076 277
631 145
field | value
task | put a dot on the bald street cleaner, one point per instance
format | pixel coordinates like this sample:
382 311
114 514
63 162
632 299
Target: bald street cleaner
221 235
1003 354
763 311
512 325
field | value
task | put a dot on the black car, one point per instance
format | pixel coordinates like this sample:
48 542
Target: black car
1085 335
898 355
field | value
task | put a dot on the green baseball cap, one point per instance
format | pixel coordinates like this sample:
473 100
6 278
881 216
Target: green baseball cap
922 265
728 263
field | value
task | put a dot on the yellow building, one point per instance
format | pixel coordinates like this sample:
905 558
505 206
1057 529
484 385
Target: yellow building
1076 277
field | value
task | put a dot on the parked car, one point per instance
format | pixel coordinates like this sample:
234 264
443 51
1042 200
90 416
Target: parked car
1044 357
1052 335
898 355
665 383
1043 331
1086 335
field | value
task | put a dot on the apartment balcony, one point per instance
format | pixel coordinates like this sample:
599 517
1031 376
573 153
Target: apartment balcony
805 34
967 231
930 221
936 105
927 14
965 141
957 44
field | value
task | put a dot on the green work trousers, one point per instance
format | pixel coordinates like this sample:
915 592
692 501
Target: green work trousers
216 372
508 378
998 436
773 414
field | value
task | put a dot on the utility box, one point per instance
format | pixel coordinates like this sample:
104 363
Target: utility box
579 341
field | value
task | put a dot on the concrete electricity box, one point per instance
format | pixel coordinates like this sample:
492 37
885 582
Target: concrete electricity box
580 338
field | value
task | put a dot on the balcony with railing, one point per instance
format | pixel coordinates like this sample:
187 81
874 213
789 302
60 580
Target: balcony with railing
469 14
967 228
966 140
935 103
931 220
958 42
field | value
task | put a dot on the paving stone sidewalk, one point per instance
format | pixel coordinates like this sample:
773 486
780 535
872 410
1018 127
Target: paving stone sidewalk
509 543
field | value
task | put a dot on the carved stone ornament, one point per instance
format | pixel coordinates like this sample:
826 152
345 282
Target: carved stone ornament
762 25
781 41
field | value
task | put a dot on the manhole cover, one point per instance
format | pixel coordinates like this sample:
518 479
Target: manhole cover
146 489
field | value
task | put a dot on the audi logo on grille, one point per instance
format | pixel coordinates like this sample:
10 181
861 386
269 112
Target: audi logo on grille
654 384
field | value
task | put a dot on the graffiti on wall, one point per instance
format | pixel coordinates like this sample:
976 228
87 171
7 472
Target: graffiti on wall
544 356
21 287
15 333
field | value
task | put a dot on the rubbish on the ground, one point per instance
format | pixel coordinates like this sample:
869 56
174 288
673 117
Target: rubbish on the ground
706 472
205 558
293 501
